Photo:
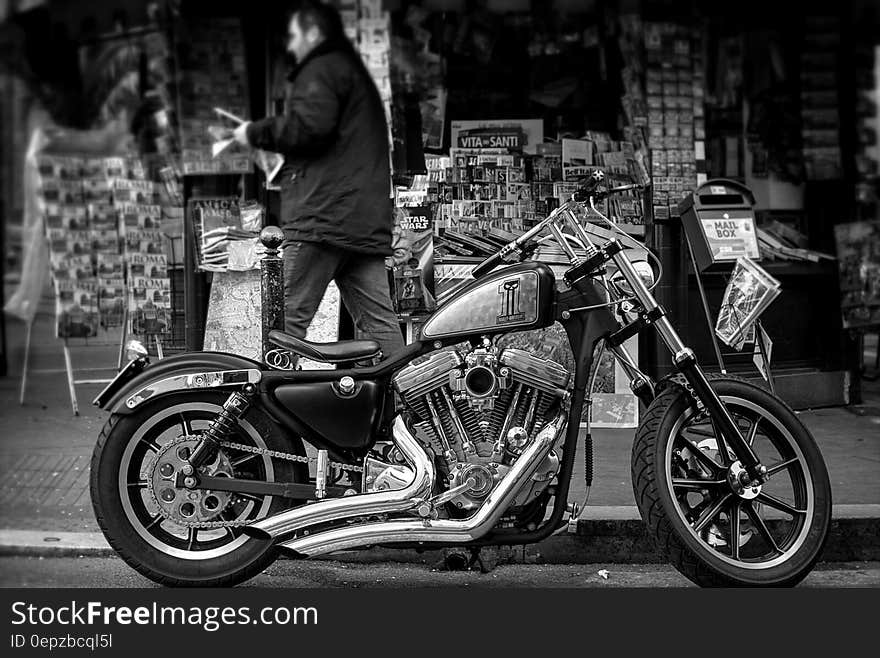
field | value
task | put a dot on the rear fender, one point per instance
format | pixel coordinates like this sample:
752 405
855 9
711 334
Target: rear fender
174 374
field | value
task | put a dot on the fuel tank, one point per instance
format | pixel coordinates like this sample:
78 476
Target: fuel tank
515 298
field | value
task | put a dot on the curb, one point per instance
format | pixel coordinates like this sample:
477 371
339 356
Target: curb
608 534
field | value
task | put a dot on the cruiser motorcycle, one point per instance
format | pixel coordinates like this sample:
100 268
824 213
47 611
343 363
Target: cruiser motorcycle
201 476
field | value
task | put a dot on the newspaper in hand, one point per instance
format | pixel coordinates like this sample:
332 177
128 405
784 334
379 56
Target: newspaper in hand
269 162
749 291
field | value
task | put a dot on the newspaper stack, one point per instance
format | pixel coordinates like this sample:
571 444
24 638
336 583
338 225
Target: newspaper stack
228 238
749 291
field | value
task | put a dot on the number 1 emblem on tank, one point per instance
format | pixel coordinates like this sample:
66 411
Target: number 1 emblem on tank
509 293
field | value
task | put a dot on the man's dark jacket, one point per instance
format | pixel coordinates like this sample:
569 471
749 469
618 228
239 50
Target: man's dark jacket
336 180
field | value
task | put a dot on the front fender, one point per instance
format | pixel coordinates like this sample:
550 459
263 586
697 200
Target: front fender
172 366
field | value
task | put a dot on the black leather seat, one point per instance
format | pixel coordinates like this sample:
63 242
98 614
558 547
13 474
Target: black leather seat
343 350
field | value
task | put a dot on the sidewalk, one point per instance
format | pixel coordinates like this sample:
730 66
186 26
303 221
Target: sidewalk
45 453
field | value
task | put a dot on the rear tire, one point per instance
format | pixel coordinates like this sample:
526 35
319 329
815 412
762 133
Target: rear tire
668 476
122 508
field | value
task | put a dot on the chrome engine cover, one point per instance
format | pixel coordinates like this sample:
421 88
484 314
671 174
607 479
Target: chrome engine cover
466 404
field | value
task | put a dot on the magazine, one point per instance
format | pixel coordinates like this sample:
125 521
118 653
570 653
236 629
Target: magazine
110 266
149 306
114 168
70 218
133 191
71 268
97 190
145 242
139 216
80 242
103 216
106 242
111 301
152 266
217 226
412 261
749 292
76 309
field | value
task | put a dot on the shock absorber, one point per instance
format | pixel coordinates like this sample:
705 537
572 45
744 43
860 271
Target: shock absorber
221 427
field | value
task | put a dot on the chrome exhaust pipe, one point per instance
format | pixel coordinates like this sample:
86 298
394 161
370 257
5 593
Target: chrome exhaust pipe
444 530
382 502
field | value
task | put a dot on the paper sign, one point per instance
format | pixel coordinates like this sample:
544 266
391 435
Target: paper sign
516 134
731 237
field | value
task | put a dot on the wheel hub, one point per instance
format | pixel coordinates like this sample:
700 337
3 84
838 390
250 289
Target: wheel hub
741 483
186 506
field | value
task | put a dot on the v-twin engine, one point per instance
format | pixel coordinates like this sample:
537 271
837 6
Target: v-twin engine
477 410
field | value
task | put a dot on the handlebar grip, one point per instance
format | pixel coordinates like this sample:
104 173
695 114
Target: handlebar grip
487 265
593 182
617 190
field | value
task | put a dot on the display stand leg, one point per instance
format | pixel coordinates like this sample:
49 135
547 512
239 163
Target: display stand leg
71 385
159 354
27 358
706 309
761 348
122 333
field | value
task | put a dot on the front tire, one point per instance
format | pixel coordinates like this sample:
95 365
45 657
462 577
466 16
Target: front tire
713 532
152 535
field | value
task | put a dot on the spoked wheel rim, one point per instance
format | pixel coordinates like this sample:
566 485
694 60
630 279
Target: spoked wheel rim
151 522
754 528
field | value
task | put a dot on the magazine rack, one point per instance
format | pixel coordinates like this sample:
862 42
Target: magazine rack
73 381
719 227
70 373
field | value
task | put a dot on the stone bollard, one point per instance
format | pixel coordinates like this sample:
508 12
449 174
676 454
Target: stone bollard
271 285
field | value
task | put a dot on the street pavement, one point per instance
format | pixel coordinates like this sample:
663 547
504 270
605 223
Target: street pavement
45 450
113 572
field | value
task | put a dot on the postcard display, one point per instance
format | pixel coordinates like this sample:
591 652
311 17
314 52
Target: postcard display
213 74
820 117
664 84
107 252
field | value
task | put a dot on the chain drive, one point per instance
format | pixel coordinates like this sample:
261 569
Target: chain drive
207 525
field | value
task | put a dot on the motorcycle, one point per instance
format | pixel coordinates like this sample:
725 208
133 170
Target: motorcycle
200 476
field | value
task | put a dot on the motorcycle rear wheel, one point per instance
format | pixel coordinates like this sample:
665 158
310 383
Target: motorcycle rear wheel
713 531
141 529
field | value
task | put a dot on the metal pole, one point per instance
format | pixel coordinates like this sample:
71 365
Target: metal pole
71 384
759 339
271 284
27 358
706 307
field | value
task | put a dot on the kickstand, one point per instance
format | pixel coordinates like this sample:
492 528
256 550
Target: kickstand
487 558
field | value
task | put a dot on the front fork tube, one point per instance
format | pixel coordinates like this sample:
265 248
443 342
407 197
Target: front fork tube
686 363
640 384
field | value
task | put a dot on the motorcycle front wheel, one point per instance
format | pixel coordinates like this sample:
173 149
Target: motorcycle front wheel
714 531
171 535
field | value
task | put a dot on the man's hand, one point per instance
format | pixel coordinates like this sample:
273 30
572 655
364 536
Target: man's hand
240 134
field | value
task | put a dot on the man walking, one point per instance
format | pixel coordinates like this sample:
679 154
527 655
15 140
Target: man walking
336 180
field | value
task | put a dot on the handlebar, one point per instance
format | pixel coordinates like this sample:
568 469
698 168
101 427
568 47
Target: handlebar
488 265
514 246
590 188
617 190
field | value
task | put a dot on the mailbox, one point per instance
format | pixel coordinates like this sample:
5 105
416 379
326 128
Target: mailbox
719 221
